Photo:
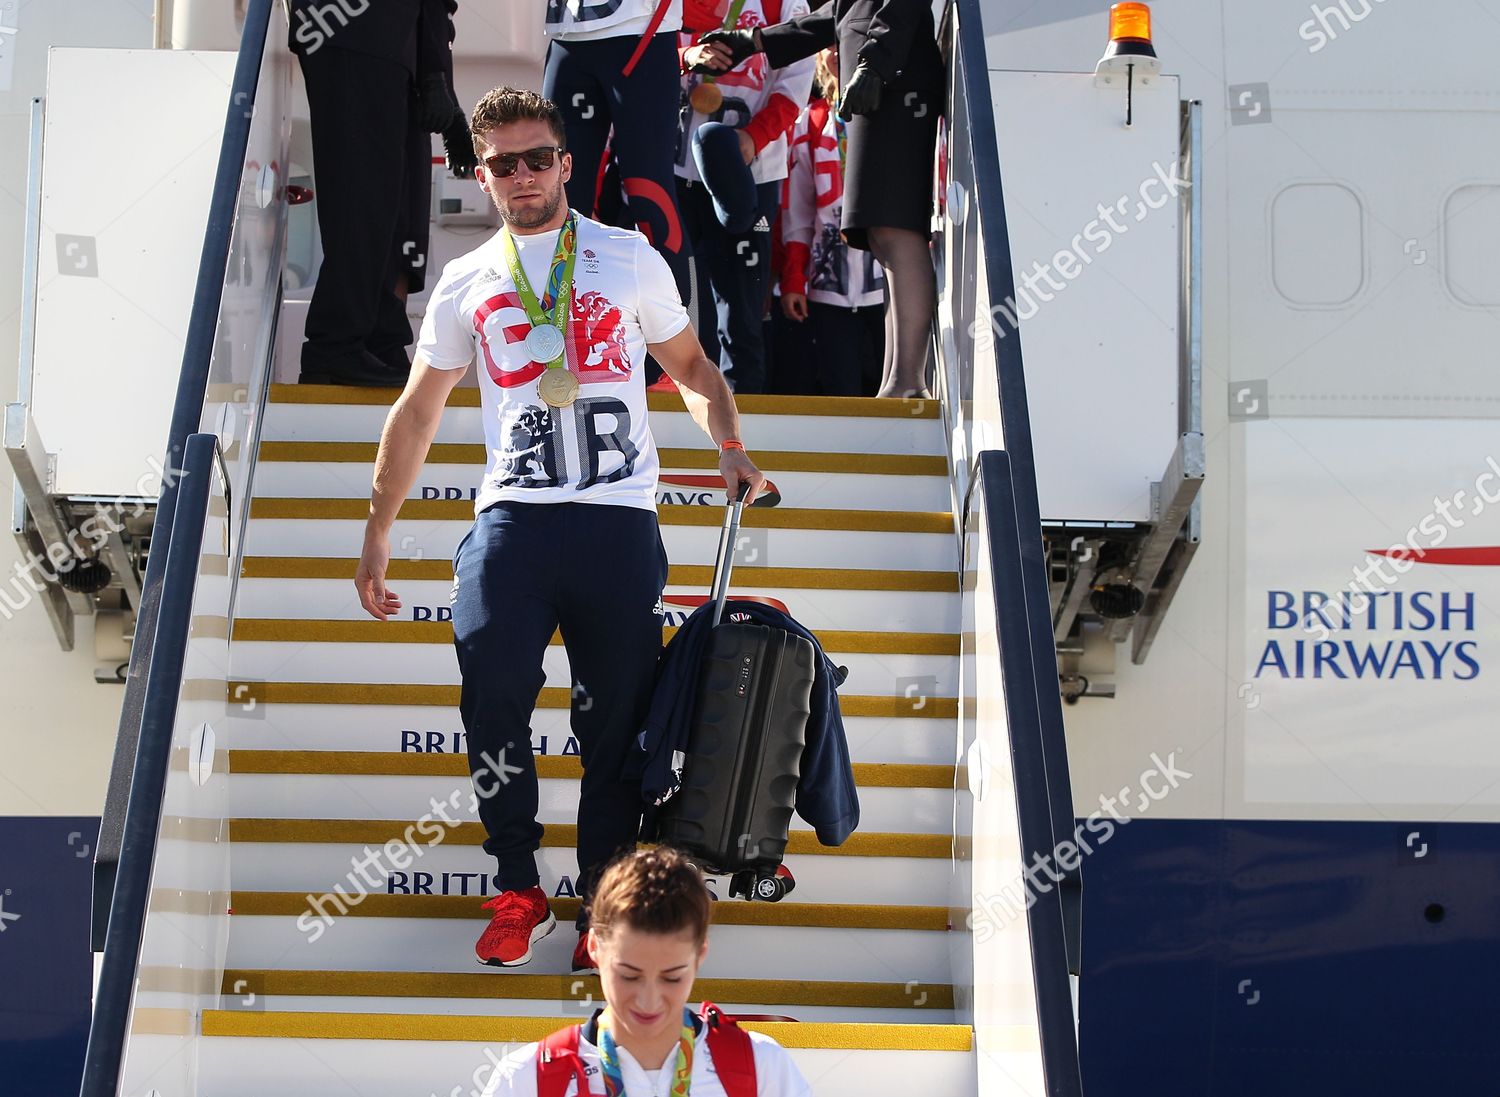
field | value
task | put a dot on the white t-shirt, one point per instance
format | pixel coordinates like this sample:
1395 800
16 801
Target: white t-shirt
584 20
599 449
776 1074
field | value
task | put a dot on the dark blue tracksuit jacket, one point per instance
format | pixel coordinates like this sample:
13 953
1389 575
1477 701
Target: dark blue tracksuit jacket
826 797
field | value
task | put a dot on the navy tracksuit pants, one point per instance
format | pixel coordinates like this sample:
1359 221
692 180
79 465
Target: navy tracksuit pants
584 80
732 275
524 570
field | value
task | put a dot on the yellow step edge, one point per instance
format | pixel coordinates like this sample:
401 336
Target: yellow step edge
671 457
555 835
489 1029
357 763
505 984
293 631
688 575
244 694
464 397
467 907
462 510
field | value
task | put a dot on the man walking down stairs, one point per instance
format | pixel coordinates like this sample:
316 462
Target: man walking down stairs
533 560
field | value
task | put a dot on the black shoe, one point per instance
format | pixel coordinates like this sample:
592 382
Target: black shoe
363 369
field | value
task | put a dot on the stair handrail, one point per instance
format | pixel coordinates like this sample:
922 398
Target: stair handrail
1004 482
188 413
115 995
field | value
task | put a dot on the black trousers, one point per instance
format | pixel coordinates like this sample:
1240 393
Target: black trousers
372 184
733 269
834 352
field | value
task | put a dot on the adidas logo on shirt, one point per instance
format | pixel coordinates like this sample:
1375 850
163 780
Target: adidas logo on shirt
762 226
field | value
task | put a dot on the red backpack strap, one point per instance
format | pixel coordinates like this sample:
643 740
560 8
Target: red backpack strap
557 1060
732 1051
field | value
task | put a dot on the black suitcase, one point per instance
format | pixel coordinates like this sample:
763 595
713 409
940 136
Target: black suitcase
744 756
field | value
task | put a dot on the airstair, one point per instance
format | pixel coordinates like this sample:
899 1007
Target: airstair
267 920
346 731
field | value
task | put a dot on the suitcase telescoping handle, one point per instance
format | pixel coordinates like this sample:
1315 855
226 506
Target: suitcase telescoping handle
725 560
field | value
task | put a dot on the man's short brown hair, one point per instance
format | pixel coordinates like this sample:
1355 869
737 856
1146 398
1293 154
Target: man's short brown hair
504 104
651 891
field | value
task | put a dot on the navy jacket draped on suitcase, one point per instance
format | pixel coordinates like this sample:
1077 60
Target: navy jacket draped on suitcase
826 796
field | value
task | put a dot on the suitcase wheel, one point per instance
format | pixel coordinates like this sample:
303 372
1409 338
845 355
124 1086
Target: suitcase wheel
765 889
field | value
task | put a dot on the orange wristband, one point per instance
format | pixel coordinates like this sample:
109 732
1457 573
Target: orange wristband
731 443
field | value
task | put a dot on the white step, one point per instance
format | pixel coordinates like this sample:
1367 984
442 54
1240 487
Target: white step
446 944
316 867
278 796
436 664
814 424
759 545
417 1064
427 600
433 729
678 484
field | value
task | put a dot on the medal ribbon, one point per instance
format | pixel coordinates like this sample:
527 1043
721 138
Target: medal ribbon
558 301
682 1076
731 17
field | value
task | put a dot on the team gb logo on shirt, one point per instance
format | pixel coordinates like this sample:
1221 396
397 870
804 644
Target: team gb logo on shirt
596 347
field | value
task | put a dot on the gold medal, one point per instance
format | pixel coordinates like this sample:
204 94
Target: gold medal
557 387
706 98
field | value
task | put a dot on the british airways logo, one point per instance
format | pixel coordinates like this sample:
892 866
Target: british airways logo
1362 632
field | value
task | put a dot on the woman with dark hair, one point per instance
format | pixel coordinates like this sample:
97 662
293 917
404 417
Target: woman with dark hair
648 932
891 76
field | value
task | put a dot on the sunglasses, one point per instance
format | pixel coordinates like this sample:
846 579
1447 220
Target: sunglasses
504 164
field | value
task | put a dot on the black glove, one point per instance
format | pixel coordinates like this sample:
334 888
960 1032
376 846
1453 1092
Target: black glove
742 44
862 96
459 145
436 106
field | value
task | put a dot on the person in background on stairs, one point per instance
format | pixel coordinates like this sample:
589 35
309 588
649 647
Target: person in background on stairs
379 83
731 158
835 291
891 81
558 311
648 937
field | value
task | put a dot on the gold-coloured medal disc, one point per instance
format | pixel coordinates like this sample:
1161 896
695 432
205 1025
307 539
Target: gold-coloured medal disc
706 98
557 387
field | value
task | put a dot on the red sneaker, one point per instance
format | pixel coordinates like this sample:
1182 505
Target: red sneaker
520 920
583 963
664 383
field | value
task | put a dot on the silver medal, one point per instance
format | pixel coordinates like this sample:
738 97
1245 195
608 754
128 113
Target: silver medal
544 343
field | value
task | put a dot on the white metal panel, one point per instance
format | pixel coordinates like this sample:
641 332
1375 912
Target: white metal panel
1370 713
1093 220
123 213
